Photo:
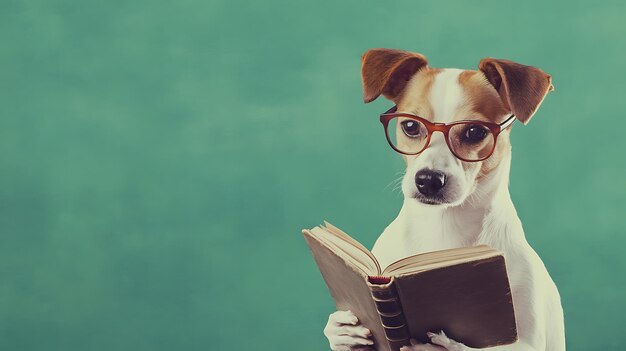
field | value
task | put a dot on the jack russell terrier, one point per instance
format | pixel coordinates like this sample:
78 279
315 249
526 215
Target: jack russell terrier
451 127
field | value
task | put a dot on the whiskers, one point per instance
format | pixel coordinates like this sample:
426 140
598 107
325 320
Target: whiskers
397 182
476 197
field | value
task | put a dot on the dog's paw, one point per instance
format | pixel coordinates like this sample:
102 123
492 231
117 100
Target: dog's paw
443 340
415 346
439 342
344 333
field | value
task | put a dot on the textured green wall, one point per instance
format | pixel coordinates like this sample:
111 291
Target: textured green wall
158 160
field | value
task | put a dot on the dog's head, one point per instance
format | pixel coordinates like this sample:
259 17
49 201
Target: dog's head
499 88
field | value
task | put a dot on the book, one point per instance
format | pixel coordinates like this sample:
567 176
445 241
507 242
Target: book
463 291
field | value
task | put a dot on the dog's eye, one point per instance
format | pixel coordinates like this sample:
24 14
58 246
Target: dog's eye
411 128
475 134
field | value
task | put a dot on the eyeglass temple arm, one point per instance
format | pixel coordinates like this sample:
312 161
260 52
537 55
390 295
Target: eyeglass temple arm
391 110
508 122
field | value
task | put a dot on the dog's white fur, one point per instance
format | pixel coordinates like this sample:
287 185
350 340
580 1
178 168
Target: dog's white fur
478 213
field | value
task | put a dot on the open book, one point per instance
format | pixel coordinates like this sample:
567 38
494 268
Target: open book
464 292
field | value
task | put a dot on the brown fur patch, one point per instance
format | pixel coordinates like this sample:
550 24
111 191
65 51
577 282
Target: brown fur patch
485 103
503 146
482 98
414 98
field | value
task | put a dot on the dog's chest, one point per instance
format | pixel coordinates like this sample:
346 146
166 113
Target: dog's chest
401 239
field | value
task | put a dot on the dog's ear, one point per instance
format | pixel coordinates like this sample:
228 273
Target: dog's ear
386 71
522 88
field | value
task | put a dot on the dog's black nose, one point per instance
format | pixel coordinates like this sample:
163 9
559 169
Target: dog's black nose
429 182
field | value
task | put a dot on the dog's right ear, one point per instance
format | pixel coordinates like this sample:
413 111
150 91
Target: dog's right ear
522 88
387 71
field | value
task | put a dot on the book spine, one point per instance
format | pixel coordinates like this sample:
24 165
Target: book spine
391 315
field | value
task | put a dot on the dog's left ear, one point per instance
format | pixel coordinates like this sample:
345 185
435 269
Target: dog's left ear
522 88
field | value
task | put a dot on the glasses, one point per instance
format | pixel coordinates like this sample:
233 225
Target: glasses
468 140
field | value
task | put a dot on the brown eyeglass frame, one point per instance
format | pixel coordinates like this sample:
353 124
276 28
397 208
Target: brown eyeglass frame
432 127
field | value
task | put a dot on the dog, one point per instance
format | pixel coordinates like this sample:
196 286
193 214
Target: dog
454 196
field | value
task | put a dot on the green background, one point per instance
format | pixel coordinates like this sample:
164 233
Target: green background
159 159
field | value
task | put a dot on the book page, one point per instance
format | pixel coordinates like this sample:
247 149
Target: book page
436 259
341 234
347 249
